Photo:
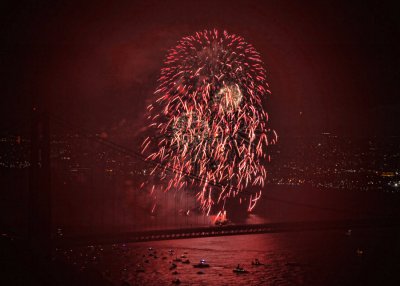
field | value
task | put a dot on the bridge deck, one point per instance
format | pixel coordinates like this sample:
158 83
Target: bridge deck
184 233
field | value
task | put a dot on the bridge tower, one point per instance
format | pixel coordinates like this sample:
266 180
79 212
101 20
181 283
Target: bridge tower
39 222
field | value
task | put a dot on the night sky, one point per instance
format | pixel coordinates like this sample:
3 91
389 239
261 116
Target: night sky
332 67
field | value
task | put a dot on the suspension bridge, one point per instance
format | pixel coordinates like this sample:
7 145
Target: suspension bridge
86 206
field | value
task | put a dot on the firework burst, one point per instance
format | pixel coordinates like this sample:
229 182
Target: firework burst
208 121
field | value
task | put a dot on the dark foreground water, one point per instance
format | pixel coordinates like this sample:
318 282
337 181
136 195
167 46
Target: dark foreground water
366 257
298 258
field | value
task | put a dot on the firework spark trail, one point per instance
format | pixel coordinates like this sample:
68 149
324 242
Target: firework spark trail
208 117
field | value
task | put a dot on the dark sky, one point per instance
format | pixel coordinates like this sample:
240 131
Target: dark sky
332 66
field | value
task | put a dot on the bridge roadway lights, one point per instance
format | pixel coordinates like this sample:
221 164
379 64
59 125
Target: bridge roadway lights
227 230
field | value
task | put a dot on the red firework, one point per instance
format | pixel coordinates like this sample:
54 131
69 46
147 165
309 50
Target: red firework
208 119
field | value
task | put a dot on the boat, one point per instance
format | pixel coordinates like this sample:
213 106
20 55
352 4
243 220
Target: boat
200 272
201 264
221 219
240 271
177 260
173 266
139 268
256 262
187 261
